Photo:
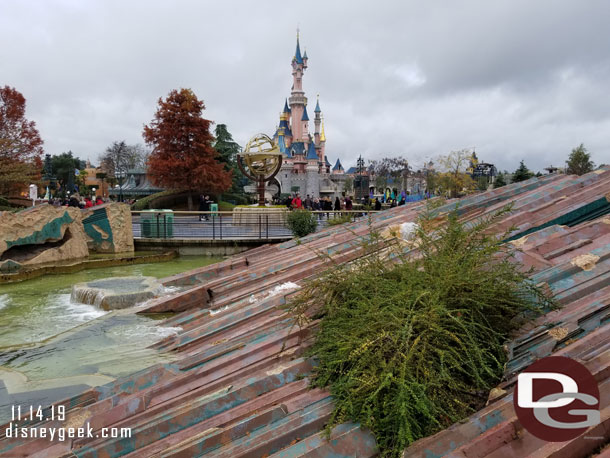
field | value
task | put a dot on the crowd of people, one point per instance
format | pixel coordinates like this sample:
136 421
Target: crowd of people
78 201
318 204
295 202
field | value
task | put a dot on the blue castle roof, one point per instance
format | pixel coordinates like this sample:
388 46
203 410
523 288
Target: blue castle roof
297 54
311 151
338 165
282 145
305 117
326 161
317 110
297 148
287 131
286 107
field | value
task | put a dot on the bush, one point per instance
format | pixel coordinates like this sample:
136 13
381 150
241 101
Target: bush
225 206
302 222
410 345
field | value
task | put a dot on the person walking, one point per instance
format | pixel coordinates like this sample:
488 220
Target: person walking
308 202
297 203
204 206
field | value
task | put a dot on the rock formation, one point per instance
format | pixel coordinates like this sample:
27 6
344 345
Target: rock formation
42 235
45 234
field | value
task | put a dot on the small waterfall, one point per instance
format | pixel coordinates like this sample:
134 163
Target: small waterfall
117 292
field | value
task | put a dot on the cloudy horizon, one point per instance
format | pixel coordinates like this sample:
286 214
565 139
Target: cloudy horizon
513 79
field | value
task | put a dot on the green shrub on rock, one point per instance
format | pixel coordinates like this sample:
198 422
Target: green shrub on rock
410 344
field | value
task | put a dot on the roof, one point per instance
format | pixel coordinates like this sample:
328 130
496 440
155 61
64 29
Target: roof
351 170
305 117
286 107
338 165
317 110
326 161
281 142
297 148
238 383
311 151
297 55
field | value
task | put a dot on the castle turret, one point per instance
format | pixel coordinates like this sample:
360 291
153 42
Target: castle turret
317 120
338 168
297 100
322 153
305 123
312 156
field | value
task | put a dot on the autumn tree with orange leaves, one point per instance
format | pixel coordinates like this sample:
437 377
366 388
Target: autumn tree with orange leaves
20 144
183 157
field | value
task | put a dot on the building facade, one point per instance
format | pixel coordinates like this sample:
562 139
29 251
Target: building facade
306 168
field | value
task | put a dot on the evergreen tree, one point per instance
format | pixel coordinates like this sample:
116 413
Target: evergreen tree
499 181
522 173
64 166
228 150
579 161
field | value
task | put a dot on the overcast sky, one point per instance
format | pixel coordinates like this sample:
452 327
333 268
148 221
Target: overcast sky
517 79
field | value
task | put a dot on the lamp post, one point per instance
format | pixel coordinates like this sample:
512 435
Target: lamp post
360 167
93 192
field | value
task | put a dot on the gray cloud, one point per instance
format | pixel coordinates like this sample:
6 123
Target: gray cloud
515 78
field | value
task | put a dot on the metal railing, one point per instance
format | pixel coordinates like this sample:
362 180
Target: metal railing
228 225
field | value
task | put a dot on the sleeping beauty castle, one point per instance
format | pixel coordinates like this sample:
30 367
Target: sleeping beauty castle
305 167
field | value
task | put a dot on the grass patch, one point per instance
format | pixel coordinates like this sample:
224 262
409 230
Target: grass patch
346 218
410 346
145 202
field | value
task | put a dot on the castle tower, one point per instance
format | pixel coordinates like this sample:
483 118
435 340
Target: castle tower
313 171
297 99
316 135
322 153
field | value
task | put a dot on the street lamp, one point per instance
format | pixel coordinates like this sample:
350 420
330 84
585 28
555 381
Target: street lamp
93 191
360 167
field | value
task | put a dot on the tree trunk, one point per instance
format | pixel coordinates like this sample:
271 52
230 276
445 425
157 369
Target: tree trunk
190 201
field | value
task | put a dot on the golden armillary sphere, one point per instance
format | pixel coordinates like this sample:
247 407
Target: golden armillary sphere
260 161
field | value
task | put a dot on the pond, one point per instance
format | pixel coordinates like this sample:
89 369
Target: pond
48 342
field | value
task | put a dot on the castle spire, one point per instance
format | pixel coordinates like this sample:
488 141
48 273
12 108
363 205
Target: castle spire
322 136
297 55
317 110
